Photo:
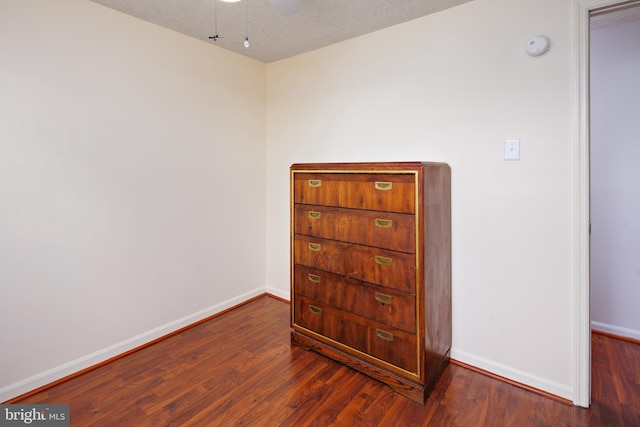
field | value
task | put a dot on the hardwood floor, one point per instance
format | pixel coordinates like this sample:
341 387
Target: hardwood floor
240 369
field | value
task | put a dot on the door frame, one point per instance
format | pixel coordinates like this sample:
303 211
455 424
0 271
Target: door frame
581 189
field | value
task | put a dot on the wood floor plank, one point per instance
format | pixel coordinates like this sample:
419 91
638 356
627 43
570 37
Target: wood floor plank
239 369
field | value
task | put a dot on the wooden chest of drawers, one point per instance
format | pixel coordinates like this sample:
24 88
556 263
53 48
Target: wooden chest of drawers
371 268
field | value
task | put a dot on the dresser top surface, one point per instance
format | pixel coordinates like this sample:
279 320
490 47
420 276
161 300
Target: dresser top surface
387 166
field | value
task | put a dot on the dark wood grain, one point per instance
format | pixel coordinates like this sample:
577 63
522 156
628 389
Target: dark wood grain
358 262
382 304
435 263
357 191
240 369
357 333
357 226
338 211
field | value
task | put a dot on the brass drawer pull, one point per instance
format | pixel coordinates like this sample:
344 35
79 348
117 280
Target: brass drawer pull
318 310
382 260
317 247
387 336
384 186
314 278
385 299
315 215
315 183
383 223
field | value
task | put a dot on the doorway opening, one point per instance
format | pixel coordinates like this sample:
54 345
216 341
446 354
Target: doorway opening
614 174
582 221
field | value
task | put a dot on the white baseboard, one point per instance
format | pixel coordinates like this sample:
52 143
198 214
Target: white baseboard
616 330
525 378
279 293
47 377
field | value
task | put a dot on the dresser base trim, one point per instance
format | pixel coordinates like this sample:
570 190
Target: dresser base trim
409 389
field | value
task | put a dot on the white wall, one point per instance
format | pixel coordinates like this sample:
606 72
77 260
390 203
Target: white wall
615 179
451 87
132 195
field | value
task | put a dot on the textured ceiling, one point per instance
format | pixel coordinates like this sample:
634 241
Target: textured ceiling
274 35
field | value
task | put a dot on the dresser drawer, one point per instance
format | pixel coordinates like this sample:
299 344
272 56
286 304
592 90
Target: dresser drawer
383 192
380 229
392 269
384 305
380 341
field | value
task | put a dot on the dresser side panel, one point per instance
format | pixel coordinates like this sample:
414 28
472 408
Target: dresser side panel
437 265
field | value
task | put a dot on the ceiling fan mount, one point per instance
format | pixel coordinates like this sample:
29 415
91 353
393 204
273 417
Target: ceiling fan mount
286 7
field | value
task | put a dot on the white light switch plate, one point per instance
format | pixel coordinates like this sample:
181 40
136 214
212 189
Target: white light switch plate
512 149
